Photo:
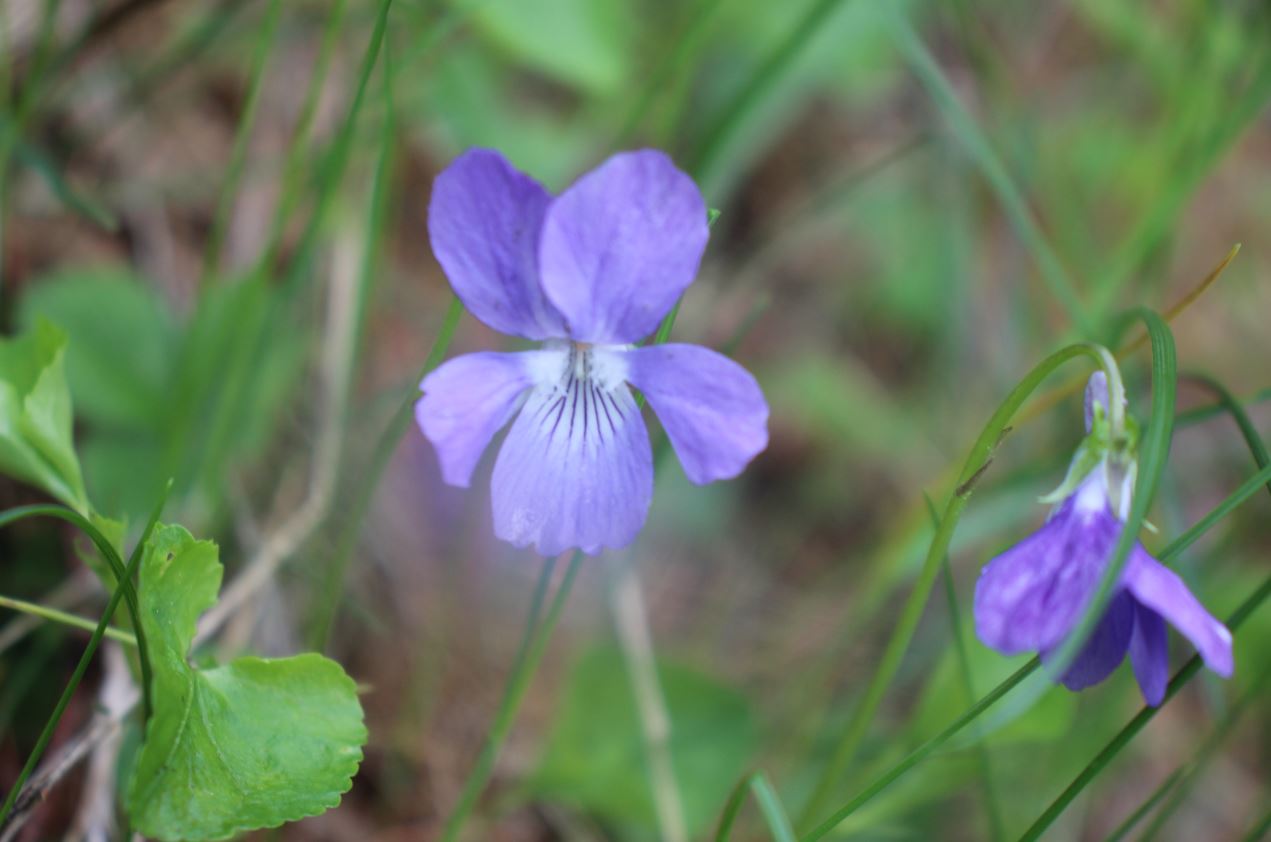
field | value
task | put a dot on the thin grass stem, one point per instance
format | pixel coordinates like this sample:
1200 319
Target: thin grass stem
977 145
978 461
122 586
534 643
770 807
1135 725
233 176
332 590
65 618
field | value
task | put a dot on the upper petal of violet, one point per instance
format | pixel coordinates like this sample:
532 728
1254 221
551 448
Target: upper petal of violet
621 245
484 221
469 399
712 409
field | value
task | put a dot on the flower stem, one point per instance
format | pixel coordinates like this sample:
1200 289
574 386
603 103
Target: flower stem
631 618
65 618
533 645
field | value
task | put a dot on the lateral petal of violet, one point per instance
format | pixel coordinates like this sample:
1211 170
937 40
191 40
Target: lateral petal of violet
575 471
484 221
1160 589
469 399
621 245
712 409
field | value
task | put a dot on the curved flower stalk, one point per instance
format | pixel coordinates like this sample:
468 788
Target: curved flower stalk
588 273
1031 597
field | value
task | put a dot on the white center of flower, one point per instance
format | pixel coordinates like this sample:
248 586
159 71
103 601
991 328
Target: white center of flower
563 363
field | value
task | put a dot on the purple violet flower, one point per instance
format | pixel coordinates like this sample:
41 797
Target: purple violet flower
1031 597
589 273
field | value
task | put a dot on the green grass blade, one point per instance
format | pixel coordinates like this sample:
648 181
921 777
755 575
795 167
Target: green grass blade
337 160
760 83
977 146
112 559
1177 546
259 326
369 479
1123 830
85 206
1132 728
299 148
1260 828
1193 166
1227 403
978 461
538 634
65 618
1190 772
15 123
1204 413
668 69
1259 452
922 752
770 807
233 176
122 586
992 812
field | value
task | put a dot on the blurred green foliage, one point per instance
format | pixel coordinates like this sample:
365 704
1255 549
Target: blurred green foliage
594 754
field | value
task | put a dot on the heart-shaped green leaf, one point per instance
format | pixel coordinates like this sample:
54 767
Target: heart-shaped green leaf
255 743
35 415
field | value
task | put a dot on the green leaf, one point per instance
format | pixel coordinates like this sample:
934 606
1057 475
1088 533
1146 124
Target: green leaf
251 744
35 415
595 756
121 342
583 42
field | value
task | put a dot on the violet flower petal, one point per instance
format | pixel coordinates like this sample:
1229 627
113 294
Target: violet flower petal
469 399
1029 597
1149 654
1105 650
484 221
1160 589
575 470
712 409
620 246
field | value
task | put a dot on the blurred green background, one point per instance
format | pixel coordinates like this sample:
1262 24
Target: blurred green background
919 201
